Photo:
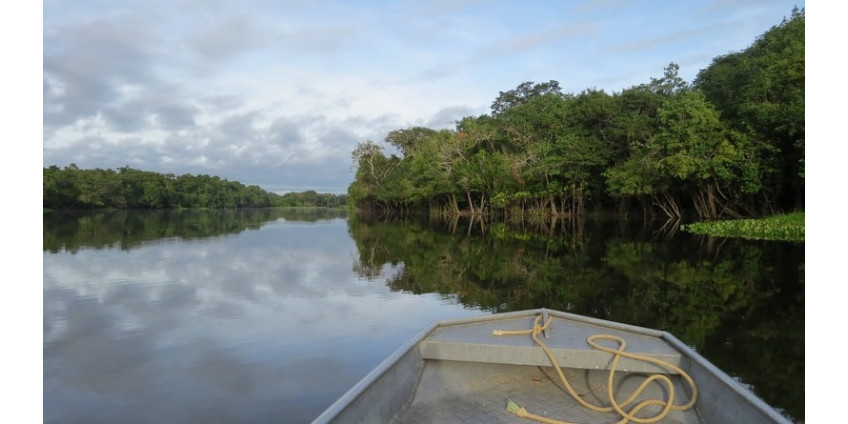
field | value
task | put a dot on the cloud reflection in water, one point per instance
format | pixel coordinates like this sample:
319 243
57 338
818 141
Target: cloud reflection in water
265 325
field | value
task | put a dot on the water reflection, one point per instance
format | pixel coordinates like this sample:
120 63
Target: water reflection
740 303
255 326
270 316
128 229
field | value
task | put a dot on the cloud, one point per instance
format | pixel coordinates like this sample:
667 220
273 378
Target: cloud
449 116
227 36
239 322
674 37
524 43
279 93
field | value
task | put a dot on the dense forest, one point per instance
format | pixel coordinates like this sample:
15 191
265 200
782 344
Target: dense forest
729 144
128 188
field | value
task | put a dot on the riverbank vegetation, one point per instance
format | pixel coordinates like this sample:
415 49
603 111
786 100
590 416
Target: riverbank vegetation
785 227
128 188
728 145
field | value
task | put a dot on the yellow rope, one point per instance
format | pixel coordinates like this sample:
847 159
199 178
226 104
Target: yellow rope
626 416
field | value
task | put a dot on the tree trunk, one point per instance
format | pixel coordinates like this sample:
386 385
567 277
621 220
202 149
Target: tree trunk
668 205
552 201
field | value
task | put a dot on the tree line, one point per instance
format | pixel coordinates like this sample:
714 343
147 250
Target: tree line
128 188
729 144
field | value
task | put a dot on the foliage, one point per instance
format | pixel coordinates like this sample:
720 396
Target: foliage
785 227
128 188
310 199
523 93
728 145
760 92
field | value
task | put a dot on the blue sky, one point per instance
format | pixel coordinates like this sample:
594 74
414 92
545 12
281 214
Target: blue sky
278 93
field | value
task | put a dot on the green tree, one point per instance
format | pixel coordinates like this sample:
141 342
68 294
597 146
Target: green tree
700 155
128 188
760 92
409 140
429 177
632 171
373 170
522 94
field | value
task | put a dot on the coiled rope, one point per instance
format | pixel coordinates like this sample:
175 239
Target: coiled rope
626 416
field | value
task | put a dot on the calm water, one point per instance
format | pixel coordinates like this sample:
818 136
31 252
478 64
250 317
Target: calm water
269 316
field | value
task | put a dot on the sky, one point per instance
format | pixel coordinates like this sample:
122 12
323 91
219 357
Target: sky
278 93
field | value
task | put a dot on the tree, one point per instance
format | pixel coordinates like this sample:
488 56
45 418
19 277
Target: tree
373 168
428 176
522 94
670 83
408 140
760 92
630 173
732 143
128 188
694 148
589 146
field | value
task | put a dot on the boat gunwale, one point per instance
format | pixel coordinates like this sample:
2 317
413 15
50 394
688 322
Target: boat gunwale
375 374
725 379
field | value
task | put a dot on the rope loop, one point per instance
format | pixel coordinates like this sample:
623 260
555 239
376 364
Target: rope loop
618 353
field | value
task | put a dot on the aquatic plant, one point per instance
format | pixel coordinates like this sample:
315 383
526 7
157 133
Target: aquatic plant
785 227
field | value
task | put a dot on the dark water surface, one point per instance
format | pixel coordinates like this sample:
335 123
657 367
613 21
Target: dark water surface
269 316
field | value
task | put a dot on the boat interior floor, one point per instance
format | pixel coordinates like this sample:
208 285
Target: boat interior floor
469 392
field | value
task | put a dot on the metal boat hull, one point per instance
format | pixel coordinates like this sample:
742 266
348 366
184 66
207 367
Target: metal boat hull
457 371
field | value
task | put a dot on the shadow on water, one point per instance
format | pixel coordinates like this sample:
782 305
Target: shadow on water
740 303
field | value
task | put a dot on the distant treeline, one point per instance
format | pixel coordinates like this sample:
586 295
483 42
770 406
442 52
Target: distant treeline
128 188
730 144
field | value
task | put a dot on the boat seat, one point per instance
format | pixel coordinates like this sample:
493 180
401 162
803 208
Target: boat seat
566 339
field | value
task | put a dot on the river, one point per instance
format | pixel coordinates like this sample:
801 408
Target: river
270 315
